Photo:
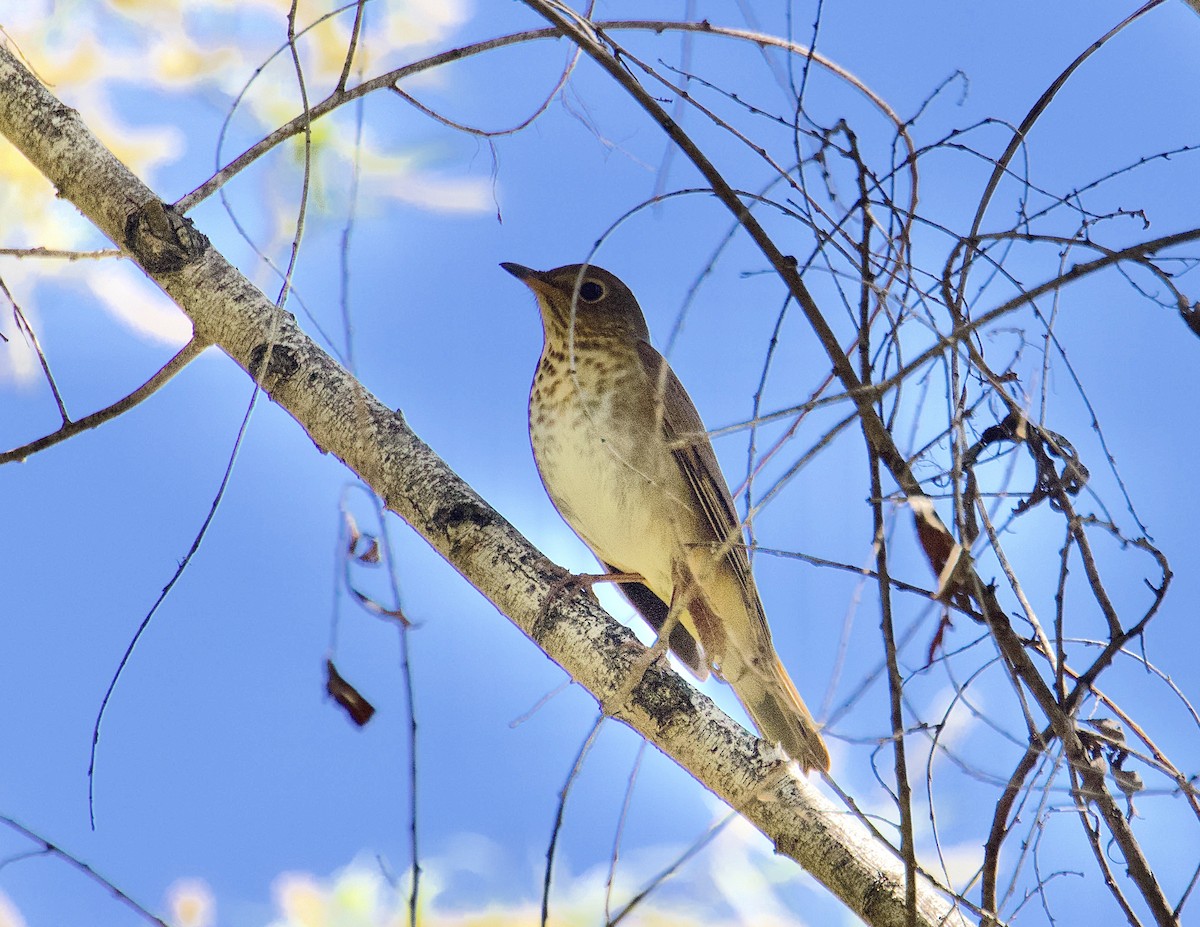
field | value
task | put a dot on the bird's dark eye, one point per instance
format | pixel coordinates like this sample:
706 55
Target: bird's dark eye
590 291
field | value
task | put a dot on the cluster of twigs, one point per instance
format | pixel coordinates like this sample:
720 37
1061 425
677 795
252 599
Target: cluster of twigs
866 238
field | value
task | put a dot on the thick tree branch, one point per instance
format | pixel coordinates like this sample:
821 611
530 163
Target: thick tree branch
344 419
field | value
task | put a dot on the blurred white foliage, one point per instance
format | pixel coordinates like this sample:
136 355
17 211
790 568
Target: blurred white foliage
116 63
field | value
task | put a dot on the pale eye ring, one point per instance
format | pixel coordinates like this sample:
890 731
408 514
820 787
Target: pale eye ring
590 291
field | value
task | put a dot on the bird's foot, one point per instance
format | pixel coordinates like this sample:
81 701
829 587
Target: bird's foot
583 582
643 662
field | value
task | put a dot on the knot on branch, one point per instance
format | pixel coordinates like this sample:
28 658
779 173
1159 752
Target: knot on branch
281 365
161 239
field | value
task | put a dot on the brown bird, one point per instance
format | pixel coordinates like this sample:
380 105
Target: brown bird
628 463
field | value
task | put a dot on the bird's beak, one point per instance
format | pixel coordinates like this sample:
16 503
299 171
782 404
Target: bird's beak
520 271
534 279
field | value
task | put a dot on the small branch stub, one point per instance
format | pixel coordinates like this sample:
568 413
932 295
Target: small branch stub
162 240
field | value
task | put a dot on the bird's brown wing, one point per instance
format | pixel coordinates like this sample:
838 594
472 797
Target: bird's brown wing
751 665
688 438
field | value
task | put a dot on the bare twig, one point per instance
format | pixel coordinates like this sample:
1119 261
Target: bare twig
69 429
79 865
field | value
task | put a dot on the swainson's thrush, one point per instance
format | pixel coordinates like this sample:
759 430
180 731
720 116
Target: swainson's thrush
627 461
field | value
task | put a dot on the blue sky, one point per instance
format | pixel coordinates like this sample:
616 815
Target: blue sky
221 758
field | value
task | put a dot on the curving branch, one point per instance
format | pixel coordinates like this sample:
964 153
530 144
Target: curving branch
70 428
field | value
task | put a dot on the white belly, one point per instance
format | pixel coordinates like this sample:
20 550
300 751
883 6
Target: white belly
599 483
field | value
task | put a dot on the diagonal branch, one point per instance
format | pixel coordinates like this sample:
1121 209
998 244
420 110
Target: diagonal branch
344 419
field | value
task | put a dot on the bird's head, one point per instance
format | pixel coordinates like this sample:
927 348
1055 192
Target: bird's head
583 301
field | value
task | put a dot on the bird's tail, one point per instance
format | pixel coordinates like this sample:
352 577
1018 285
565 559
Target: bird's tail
779 712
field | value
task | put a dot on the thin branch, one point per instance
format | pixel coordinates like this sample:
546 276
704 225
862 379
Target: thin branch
388 79
162 597
622 818
710 835
186 355
27 329
560 811
79 865
61 253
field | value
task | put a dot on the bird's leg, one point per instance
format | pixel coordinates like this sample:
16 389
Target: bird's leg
662 642
685 596
583 582
656 651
